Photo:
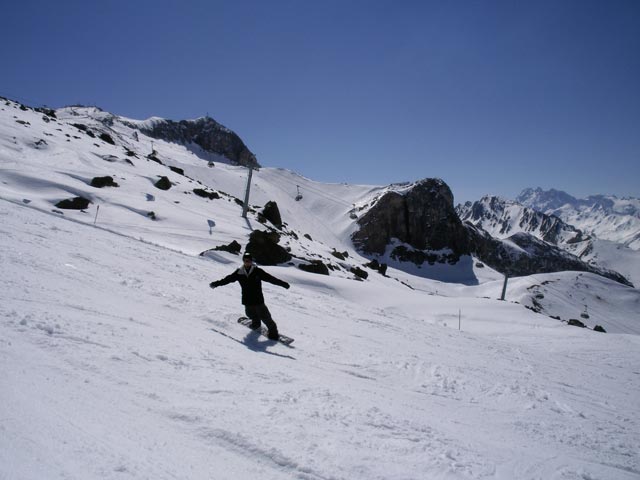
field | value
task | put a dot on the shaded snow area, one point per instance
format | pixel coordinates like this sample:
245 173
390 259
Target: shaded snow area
119 362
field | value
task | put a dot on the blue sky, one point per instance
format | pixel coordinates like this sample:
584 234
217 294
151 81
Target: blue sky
491 96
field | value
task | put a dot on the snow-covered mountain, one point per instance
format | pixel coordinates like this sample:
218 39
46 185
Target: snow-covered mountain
119 361
503 228
605 216
504 218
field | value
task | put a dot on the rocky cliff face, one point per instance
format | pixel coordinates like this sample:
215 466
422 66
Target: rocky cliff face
205 132
422 216
523 254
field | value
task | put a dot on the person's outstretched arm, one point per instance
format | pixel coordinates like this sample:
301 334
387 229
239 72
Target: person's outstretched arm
271 279
225 281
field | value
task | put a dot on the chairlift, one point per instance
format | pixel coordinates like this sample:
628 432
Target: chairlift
299 195
585 314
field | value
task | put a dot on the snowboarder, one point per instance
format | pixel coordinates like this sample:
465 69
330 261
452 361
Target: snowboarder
250 278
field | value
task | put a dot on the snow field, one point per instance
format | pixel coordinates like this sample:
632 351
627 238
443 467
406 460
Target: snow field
121 362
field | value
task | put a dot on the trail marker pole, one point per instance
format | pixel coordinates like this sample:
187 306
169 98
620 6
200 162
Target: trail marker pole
96 219
504 287
245 205
459 319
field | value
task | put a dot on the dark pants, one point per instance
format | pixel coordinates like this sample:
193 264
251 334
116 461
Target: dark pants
261 312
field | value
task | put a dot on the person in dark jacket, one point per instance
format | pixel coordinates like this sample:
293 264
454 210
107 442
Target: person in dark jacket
250 278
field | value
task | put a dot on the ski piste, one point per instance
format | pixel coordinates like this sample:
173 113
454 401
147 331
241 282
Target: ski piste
264 331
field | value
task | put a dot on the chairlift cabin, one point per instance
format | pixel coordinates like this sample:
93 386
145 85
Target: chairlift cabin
585 314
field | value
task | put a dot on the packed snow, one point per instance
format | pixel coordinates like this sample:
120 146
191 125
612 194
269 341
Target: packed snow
120 362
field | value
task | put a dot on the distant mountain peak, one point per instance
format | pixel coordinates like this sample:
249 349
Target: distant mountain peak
605 216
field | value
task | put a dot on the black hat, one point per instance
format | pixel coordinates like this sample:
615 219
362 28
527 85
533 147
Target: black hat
247 256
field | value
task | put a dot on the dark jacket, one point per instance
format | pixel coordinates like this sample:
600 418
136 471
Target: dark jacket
251 283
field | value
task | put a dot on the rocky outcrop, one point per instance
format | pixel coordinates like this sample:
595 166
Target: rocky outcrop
271 212
163 184
422 216
523 254
265 249
205 132
101 182
75 203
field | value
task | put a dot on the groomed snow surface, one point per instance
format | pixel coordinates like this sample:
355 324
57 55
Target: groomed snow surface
119 362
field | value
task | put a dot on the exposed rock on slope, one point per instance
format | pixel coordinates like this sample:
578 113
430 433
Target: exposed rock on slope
422 217
523 254
204 132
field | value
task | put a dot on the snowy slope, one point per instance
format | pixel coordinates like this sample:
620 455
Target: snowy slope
120 362
615 256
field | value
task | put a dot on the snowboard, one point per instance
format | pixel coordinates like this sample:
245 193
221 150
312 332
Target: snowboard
264 331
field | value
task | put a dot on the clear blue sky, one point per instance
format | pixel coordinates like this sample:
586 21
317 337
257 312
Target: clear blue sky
491 96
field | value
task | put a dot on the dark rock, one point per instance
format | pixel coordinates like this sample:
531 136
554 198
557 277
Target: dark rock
204 194
340 255
152 215
234 247
315 266
76 203
163 183
271 212
100 182
105 137
179 171
360 273
373 264
265 249
576 323
599 328
404 254
308 237
47 111
154 157
422 217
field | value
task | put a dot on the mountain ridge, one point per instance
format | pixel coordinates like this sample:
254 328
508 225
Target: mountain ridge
607 217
